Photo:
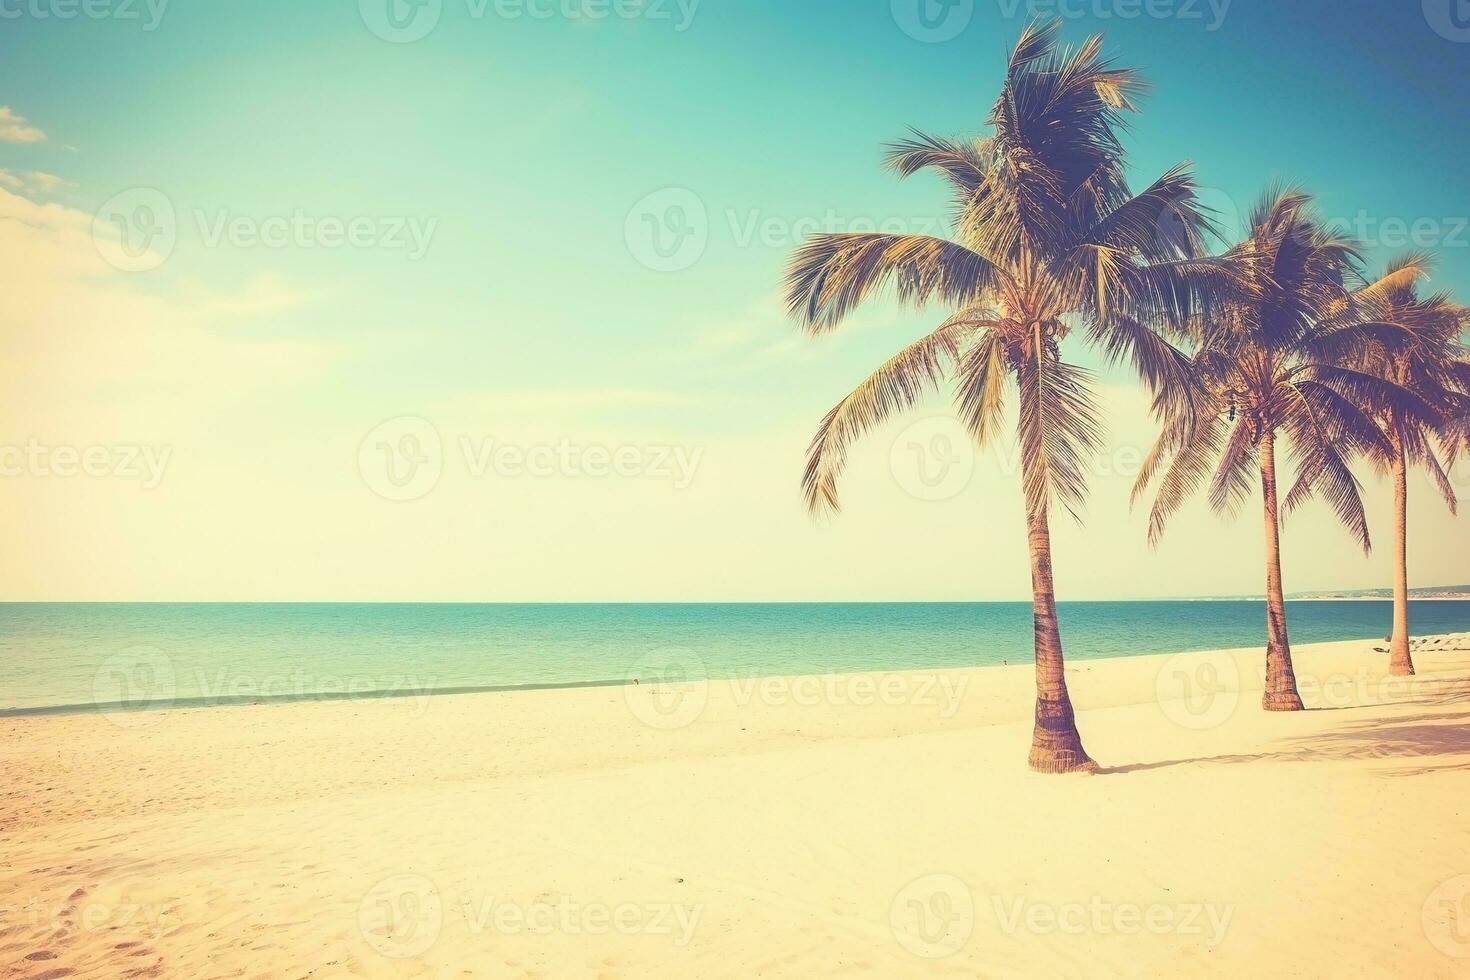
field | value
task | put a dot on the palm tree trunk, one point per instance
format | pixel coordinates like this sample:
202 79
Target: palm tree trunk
1056 745
1400 663
1280 693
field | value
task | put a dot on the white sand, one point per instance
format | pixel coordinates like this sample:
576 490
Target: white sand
788 829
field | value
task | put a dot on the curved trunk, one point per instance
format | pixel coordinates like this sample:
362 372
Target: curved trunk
1400 662
1280 693
1056 745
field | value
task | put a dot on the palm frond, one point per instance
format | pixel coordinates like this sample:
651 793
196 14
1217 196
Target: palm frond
1398 282
1057 429
1164 369
1322 469
1441 479
1164 221
897 385
1190 455
1364 392
963 163
1234 478
1176 293
832 274
980 387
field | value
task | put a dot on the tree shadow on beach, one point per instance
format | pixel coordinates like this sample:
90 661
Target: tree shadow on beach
1442 692
1450 692
1431 741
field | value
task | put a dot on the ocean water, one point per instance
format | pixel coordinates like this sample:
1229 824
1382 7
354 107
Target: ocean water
76 656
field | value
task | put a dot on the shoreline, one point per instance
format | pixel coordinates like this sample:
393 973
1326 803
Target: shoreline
306 697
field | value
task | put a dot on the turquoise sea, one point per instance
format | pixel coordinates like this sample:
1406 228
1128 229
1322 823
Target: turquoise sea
75 656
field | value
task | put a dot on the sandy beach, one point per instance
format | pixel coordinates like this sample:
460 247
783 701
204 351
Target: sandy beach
851 825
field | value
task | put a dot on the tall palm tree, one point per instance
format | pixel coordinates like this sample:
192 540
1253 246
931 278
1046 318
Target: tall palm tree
1422 353
1274 364
1048 242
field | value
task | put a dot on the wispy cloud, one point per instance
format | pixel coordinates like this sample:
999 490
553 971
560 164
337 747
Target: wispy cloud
733 344
575 400
15 128
85 347
764 334
261 297
31 181
570 411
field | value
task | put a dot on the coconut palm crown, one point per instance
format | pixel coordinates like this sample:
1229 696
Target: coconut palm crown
1048 242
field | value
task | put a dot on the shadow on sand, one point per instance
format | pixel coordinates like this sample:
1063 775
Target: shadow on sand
1430 741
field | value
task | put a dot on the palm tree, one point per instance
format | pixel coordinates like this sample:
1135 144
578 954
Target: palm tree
1273 364
1422 353
1048 241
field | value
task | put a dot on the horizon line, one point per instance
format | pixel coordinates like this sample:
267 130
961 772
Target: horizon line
1307 596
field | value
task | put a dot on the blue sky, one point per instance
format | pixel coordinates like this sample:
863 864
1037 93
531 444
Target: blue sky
517 138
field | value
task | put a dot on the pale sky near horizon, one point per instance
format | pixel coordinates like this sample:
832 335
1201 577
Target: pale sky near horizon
418 318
